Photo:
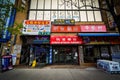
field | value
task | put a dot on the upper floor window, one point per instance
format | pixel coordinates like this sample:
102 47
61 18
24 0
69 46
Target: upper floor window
64 9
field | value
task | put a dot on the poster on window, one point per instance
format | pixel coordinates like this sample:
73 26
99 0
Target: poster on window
36 27
104 52
17 49
115 53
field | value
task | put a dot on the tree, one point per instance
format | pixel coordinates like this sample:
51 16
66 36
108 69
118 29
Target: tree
106 5
6 9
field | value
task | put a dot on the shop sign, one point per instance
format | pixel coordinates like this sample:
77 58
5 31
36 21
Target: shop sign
65 40
65 28
40 41
64 22
93 28
36 27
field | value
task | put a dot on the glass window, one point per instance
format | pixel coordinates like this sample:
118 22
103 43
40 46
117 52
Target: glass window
61 4
88 3
39 15
83 16
53 15
89 54
97 16
33 4
32 15
68 5
40 4
53 10
90 15
75 3
47 4
76 15
54 4
46 15
68 14
95 3
81 5
61 14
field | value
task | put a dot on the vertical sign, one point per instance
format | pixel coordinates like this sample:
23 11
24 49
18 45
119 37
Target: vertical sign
50 55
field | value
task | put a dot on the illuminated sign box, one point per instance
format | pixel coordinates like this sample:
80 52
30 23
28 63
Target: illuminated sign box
74 28
64 22
65 40
93 28
36 27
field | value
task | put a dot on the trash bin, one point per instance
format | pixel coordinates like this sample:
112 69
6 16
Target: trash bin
7 62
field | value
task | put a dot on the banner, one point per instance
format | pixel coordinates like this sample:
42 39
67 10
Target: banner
36 27
65 28
93 28
65 40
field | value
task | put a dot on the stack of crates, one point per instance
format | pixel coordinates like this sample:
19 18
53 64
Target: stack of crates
109 66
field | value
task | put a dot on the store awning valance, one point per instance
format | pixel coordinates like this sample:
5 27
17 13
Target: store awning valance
98 34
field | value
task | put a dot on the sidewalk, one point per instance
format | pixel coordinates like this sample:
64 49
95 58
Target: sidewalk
57 74
54 67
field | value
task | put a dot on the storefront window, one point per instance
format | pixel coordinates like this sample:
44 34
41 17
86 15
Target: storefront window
115 53
65 55
104 52
91 54
88 54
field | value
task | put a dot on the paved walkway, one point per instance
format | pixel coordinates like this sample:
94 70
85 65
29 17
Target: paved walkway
57 74
54 67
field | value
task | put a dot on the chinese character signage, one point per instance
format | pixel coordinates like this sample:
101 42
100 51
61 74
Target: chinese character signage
64 22
65 40
93 28
65 29
36 27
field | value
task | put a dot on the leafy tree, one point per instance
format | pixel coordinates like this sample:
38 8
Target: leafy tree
5 8
107 5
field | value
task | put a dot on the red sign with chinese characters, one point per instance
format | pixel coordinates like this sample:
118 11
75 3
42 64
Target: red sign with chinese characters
93 28
65 40
65 28
37 22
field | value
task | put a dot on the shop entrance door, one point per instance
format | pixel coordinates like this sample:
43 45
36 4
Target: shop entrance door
41 53
65 55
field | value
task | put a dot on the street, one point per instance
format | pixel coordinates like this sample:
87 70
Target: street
58 74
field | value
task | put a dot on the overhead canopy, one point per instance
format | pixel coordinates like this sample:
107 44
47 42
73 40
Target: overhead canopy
98 34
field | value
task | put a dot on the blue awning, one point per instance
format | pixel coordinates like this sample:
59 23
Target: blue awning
99 34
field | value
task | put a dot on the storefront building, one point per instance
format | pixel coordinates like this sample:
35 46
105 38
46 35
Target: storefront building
76 35
36 34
